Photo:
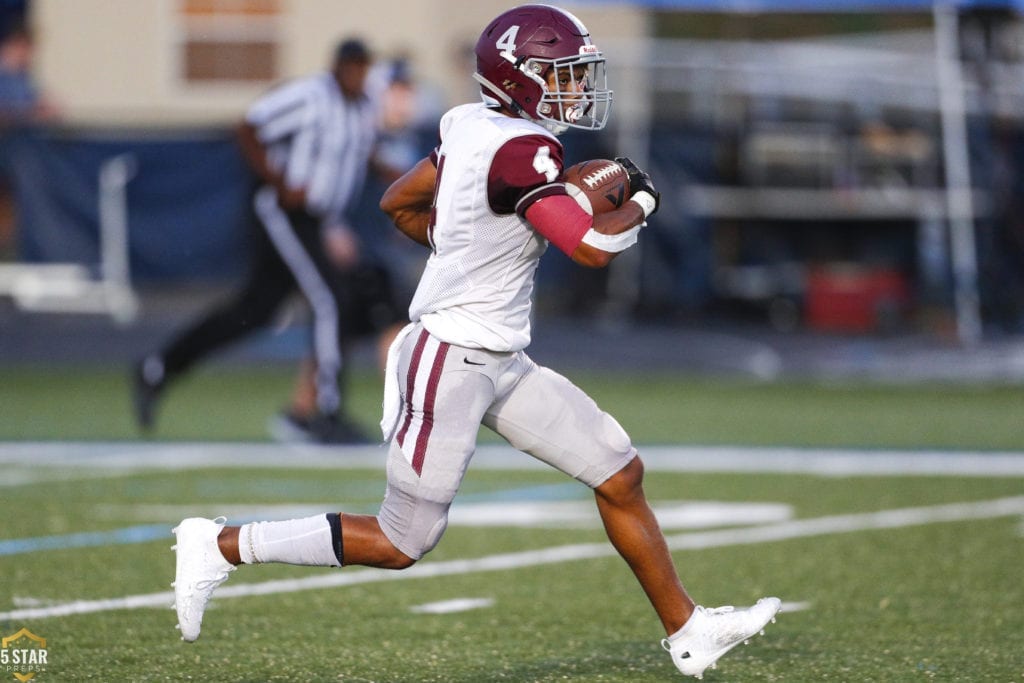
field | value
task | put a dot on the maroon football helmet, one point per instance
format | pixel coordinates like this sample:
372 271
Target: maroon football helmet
518 50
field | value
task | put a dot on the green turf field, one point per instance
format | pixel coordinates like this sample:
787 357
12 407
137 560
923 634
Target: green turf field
885 577
89 403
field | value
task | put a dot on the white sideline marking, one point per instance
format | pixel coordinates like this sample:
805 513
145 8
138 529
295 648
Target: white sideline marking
583 514
833 524
568 514
452 606
123 458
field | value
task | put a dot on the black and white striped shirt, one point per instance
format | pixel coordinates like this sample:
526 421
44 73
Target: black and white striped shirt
318 139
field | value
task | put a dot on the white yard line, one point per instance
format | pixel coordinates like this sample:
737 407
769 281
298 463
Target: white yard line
834 524
62 460
452 606
551 514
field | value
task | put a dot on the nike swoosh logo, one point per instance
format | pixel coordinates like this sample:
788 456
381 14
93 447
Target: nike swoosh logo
469 362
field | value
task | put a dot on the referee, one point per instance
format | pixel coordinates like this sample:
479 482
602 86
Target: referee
310 142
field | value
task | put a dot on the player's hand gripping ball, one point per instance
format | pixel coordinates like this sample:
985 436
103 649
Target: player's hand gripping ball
598 185
640 183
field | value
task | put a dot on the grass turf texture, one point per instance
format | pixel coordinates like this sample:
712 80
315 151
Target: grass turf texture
882 602
939 601
226 404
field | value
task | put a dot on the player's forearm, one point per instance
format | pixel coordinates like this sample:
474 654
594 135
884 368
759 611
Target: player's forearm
407 202
414 225
626 217
591 257
613 223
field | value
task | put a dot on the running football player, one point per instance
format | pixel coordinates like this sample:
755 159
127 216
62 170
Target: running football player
487 202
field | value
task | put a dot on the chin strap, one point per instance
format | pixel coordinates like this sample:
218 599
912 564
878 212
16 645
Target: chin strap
496 95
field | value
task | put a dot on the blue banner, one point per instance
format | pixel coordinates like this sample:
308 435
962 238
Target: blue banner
187 202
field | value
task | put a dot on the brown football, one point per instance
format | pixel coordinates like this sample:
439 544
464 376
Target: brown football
598 185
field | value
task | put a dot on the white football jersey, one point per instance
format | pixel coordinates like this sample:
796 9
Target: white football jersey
477 287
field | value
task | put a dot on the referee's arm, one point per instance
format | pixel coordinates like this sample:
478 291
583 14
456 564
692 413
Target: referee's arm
255 154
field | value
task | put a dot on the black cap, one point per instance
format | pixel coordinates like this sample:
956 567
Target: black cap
352 50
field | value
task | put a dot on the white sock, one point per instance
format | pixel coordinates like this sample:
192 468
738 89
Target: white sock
312 541
686 628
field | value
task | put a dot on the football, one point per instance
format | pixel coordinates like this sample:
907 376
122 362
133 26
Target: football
598 185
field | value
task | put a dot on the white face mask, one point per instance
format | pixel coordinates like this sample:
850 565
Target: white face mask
586 105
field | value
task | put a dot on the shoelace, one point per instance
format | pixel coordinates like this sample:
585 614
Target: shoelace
720 610
214 582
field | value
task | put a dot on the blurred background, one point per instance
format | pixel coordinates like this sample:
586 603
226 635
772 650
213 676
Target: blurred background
841 180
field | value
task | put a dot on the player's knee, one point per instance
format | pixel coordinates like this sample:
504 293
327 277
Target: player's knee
410 544
399 560
631 476
386 555
429 541
624 484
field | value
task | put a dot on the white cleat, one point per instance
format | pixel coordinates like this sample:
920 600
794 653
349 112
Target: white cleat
200 568
710 633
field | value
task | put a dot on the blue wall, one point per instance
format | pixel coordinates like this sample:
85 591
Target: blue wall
187 203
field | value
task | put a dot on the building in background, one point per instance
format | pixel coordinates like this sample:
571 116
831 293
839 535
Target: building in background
198 62
802 155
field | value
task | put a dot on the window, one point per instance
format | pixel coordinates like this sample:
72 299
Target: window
229 40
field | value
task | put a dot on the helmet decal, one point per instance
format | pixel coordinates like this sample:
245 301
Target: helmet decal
507 41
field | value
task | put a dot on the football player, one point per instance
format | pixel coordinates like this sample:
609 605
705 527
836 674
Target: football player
487 202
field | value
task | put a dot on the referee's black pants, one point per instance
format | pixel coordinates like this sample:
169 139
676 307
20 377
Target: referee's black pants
288 256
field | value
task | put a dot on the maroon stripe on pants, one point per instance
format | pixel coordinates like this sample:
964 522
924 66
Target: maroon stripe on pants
428 408
410 384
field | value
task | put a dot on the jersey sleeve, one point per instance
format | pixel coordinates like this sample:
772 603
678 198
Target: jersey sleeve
281 112
561 220
523 170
